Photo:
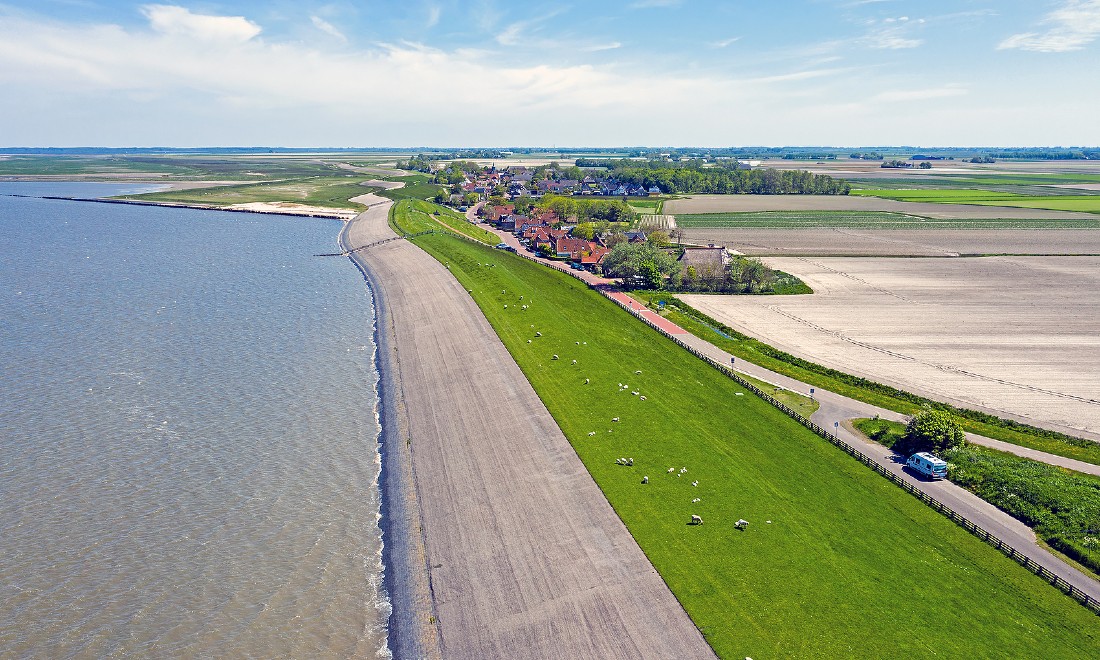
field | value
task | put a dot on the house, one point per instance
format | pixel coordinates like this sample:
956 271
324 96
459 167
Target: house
636 236
705 260
654 190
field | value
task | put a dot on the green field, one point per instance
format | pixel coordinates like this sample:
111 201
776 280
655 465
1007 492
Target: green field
865 220
1080 203
332 192
1060 505
415 216
851 565
860 389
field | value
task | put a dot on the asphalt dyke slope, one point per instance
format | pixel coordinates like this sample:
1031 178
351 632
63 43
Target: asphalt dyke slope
510 548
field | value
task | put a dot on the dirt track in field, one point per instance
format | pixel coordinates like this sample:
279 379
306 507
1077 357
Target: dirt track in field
524 556
756 203
899 242
1014 336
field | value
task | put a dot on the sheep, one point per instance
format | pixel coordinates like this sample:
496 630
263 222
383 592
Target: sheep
574 362
528 341
634 393
696 520
577 343
671 470
741 524
683 470
591 433
630 461
524 307
641 398
614 419
620 461
585 343
645 479
502 292
555 357
521 297
637 373
695 501
506 307
695 483
538 334
586 381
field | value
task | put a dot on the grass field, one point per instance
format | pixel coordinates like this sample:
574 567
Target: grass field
417 186
1079 203
856 388
332 192
414 216
866 220
850 565
1060 505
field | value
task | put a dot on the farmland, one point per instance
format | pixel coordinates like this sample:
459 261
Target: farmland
1013 336
870 220
845 551
1069 203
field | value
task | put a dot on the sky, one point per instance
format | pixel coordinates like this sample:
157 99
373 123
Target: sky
498 73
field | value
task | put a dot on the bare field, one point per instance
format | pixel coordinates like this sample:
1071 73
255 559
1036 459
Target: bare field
1014 336
899 242
756 203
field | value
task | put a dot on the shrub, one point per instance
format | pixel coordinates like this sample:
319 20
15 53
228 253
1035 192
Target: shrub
931 430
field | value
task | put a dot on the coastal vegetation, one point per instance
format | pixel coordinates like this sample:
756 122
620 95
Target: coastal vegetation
329 192
832 550
862 389
1063 507
415 216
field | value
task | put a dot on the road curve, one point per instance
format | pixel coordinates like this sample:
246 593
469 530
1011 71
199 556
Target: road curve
505 546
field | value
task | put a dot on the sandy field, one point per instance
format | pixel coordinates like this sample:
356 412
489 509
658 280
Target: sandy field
1015 336
291 208
753 203
899 242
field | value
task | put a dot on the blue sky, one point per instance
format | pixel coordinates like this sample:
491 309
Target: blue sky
496 73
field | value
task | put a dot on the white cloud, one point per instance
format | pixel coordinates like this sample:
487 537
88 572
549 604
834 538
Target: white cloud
725 42
435 12
328 28
1072 27
892 38
174 20
598 47
915 95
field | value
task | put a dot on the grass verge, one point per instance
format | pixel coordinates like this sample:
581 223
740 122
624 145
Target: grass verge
850 565
1062 506
862 389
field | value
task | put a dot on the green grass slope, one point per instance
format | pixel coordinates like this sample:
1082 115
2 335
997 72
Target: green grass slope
850 566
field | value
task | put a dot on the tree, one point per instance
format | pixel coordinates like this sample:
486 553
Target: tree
628 260
657 238
931 430
925 165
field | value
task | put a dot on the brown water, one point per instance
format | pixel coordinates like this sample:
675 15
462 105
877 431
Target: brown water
188 436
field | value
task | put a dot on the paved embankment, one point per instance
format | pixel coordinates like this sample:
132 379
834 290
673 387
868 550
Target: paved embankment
499 543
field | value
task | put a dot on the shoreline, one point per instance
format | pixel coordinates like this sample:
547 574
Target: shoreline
201 207
403 548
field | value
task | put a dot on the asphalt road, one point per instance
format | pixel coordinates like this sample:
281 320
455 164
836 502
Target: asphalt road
519 554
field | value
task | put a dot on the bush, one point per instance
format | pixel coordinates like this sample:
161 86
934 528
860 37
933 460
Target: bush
931 430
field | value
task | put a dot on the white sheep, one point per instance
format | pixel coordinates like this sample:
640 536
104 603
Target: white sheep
591 433
630 461
695 483
695 501
586 381
577 343
574 362
641 398
696 520
637 373
502 291
741 524
683 470
528 341
538 334
614 419
671 470
645 480
554 358
506 307
634 393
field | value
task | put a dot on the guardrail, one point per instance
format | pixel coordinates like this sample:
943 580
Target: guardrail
1027 562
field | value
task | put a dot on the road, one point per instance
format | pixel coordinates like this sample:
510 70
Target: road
512 550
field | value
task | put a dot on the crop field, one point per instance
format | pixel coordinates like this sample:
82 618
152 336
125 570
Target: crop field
1072 203
848 565
966 210
870 220
1012 336
925 242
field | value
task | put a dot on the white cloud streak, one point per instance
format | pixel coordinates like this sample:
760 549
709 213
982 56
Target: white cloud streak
173 20
328 28
1072 27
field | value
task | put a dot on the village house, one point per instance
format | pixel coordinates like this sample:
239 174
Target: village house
705 260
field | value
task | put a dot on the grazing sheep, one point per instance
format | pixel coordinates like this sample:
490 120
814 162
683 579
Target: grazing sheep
637 373
696 520
577 343
506 307
502 291
574 362
521 297
741 524
671 470
642 398
585 343
528 341
591 433
614 419
554 358
695 501
585 381
630 461
695 483
645 480
524 307
683 470
538 334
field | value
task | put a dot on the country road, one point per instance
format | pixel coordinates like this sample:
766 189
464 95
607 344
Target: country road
510 548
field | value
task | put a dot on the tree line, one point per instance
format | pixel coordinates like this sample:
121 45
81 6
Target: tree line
695 176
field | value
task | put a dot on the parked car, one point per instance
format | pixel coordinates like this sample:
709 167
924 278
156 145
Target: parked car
927 465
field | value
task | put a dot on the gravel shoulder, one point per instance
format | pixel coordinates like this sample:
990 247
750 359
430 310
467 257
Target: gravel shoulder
512 550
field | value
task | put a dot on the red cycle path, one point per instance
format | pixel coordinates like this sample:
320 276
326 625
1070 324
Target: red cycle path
648 314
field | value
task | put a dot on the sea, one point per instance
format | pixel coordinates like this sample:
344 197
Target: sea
189 436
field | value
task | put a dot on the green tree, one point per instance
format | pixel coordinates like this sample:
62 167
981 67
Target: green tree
932 430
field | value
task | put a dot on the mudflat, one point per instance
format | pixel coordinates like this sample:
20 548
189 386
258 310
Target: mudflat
1014 336
525 557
